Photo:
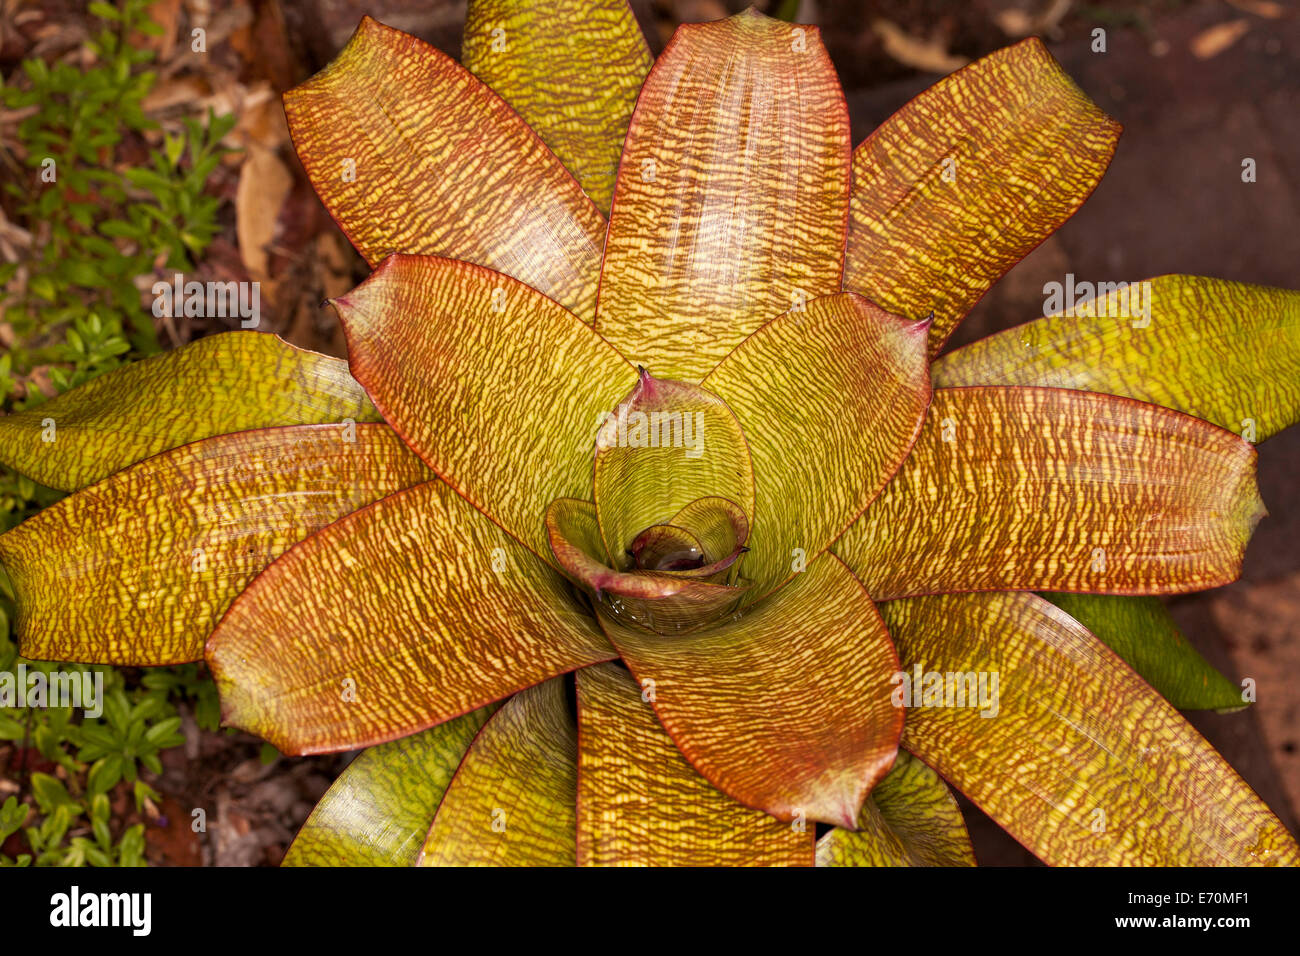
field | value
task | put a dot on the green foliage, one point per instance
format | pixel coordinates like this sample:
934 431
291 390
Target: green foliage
127 736
95 229
61 812
65 817
787 10
188 682
98 222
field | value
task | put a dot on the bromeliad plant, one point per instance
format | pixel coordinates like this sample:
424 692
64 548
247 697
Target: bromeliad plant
646 395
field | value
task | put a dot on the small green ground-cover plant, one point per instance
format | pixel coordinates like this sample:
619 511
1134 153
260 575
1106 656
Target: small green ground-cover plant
63 809
73 310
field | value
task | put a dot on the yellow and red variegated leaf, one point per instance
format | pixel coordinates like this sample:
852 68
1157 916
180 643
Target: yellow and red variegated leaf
572 69
666 445
732 193
1143 633
419 609
664 603
378 811
641 804
966 179
496 387
787 709
1223 351
138 569
830 400
512 801
227 382
410 153
1078 758
1052 489
910 819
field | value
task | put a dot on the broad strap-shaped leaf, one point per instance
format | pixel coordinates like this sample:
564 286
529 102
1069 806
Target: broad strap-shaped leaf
1052 489
227 382
1223 351
138 569
641 804
661 602
787 708
1083 762
512 800
732 193
966 179
377 812
666 445
910 819
496 387
831 400
410 153
572 69
1144 635
398 617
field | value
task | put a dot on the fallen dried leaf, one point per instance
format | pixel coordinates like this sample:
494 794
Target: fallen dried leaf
931 55
1261 8
1015 22
165 13
264 183
179 91
1214 40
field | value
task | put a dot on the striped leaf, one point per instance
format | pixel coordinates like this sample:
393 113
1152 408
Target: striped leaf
910 819
830 400
1078 758
786 709
411 153
227 382
572 69
420 610
512 800
1052 489
377 813
138 568
732 193
966 179
1223 351
496 387
641 804
1144 635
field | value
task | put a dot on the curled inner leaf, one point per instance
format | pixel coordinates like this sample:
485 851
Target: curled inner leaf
666 547
667 445
716 527
662 601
